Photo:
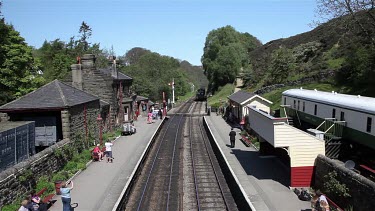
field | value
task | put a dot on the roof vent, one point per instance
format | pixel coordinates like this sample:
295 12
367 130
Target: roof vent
315 90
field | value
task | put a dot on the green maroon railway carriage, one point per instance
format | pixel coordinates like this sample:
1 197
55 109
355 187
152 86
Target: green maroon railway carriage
346 121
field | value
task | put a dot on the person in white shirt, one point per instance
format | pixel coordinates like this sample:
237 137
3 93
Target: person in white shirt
108 151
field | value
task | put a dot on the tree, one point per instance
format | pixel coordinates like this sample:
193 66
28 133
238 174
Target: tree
328 9
225 53
282 64
134 54
85 33
18 71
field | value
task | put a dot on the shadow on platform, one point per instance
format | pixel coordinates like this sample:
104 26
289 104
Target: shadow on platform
262 168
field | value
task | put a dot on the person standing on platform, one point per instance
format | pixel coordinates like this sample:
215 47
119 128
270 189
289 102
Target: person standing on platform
65 195
232 137
108 151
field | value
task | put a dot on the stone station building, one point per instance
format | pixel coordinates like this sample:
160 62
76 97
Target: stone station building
59 111
110 85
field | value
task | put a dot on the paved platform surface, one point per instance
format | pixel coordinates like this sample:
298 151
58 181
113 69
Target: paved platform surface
265 180
99 186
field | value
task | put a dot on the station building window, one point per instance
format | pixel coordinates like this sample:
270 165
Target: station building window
333 113
294 104
369 124
315 109
342 116
303 106
284 100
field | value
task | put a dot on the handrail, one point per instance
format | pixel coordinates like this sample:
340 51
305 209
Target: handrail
320 125
298 118
329 128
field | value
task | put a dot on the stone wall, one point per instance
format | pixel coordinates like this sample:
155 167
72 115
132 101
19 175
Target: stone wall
361 189
322 76
77 120
40 164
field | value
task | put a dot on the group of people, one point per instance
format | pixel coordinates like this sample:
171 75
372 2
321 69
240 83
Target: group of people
105 152
35 203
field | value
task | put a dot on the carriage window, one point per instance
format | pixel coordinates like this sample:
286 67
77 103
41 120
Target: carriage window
342 116
369 122
333 113
303 106
315 109
298 105
284 100
294 104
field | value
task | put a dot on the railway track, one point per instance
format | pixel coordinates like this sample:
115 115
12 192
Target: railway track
181 171
158 186
205 187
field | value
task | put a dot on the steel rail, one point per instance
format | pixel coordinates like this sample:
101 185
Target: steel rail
156 156
153 164
193 164
213 167
171 171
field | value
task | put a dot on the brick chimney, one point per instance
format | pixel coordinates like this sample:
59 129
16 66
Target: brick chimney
77 76
88 62
112 62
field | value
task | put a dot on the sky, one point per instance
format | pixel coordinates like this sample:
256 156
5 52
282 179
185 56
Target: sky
176 28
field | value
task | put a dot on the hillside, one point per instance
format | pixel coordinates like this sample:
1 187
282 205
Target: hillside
336 51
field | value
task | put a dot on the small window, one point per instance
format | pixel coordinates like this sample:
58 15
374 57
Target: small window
315 109
284 100
303 106
298 106
369 122
294 104
333 113
342 116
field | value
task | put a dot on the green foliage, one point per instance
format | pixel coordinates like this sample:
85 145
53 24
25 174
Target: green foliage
275 95
282 64
153 72
44 182
11 207
60 176
18 71
225 53
359 70
220 97
26 175
333 186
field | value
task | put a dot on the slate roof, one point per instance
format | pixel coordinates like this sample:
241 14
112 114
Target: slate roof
241 96
121 76
54 95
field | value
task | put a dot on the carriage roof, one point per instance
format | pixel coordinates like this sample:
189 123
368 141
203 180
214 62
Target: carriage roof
353 102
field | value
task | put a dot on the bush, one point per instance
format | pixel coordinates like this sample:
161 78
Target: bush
44 182
60 176
11 207
71 166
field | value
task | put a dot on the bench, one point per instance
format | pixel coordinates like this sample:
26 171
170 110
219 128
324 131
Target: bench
47 199
333 204
367 168
245 140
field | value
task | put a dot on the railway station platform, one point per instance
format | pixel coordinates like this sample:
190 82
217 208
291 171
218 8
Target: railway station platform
264 179
100 185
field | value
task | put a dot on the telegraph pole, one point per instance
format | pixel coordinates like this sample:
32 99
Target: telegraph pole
173 91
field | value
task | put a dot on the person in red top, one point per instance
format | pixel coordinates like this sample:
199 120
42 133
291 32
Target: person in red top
98 151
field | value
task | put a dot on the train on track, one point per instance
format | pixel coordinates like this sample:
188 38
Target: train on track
347 121
201 95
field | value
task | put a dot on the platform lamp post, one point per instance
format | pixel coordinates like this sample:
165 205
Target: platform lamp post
100 120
